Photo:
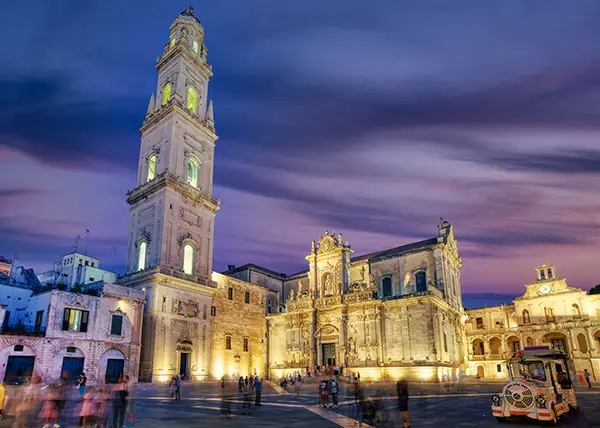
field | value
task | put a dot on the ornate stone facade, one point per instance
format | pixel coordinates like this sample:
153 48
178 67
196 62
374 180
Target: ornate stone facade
387 314
549 313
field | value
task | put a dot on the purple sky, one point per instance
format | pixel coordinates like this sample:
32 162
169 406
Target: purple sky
370 118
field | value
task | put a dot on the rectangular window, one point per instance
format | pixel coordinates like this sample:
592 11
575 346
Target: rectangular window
479 322
38 321
269 308
164 304
245 344
116 326
227 342
18 348
230 293
75 320
445 343
247 297
213 311
71 349
549 273
499 368
542 274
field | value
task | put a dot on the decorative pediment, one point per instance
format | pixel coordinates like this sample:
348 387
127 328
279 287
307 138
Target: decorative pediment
186 238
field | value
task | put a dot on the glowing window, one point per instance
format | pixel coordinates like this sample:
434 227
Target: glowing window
192 172
188 259
166 94
195 46
172 44
192 99
142 255
151 167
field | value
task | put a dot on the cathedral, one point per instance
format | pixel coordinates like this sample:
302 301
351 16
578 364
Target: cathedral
388 314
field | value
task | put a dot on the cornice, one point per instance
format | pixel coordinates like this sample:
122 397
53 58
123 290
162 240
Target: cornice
167 179
176 107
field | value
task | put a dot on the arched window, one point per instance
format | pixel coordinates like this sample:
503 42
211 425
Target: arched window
192 172
526 317
386 286
195 46
192 99
576 311
172 42
142 255
166 94
582 343
151 167
421 281
188 259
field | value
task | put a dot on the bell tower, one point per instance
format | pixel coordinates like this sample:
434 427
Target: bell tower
172 211
172 208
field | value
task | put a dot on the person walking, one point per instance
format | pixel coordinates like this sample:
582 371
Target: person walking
81 385
241 384
246 385
587 375
258 390
119 403
177 385
402 393
324 393
333 387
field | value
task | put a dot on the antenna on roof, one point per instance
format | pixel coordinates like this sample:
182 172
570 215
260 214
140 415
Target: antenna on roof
76 243
87 240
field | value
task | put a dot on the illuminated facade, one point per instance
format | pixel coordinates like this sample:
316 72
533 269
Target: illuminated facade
387 314
550 313
169 253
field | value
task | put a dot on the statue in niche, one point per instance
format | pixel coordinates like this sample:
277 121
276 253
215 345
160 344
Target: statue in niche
362 274
328 284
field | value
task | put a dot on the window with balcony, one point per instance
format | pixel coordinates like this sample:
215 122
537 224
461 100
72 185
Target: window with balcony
192 171
192 99
479 323
421 281
75 320
386 286
116 325
142 248
166 94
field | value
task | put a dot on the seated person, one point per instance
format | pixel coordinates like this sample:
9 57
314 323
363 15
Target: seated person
562 379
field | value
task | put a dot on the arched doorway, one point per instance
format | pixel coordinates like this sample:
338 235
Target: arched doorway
480 372
17 363
111 366
68 364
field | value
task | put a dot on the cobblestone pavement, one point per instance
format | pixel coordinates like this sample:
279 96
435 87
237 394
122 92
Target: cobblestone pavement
430 406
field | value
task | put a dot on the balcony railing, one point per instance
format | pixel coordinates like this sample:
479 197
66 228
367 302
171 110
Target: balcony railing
167 271
23 330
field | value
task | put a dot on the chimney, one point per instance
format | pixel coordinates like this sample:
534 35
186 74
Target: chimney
230 267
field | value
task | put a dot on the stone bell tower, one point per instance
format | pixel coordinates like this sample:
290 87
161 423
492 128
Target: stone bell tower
172 208
170 241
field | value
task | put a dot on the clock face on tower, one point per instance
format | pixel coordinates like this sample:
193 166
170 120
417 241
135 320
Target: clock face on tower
545 289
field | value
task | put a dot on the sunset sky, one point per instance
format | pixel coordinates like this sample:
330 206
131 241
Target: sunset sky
373 119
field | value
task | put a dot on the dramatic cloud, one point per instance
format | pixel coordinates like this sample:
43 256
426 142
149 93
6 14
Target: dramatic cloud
370 119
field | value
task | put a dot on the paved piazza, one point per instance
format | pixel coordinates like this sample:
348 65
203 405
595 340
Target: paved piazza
430 406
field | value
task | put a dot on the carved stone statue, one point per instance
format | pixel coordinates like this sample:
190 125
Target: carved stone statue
328 284
292 294
314 246
340 240
362 274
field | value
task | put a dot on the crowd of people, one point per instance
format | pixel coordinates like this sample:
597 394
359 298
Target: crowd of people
249 394
49 404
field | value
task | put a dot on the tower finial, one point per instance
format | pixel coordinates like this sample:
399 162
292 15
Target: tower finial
210 115
151 105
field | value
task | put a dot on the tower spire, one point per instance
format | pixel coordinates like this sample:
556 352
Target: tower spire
210 115
150 106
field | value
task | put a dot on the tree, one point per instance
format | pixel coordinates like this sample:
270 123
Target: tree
595 290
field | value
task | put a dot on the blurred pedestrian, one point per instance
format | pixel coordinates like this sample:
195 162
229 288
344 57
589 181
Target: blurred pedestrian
131 392
119 403
88 416
81 382
177 385
324 393
587 375
402 393
241 384
258 390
